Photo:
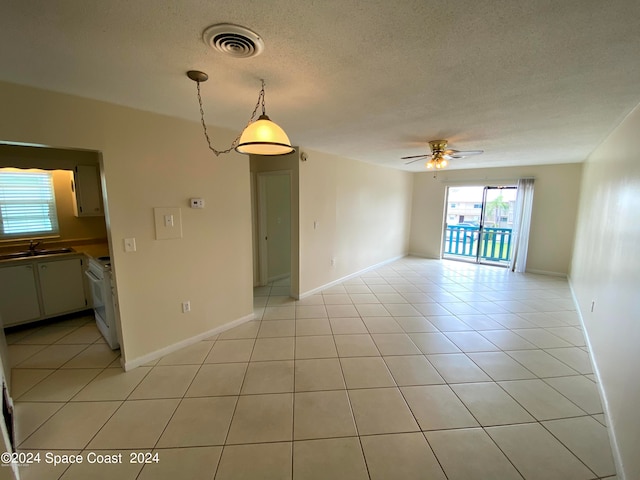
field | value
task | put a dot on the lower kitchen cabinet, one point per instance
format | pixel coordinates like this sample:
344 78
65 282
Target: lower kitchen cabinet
38 289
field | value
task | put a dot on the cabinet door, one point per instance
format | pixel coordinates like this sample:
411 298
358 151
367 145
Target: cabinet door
88 191
18 295
61 286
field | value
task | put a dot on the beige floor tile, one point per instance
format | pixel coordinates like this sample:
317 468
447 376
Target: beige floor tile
500 366
280 300
511 320
388 295
61 385
372 310
310 311
72 426
395 344
416 324
490 404
469 454
342 311
530 446
268 377
230 351
412 370
507 340
187 463
191 355
540 400
360 345
318 374
47 335
218 379
580 390
169 381
268 461
541 338
587 439
337 299
575 357
247 330
262 418
16 336
44 470
273 349
381 410
386 324
541 363
199 422
432 309
363 298
112 384
313 326
457 368
30 416
359 288
471 342
572 335
448 323
311 300
287 312
336 458
53 356
436 407
347 326
277 328
404 456
431 343
104 465
85 334
321 346
366 372
136 424
322 415
22 379
98 355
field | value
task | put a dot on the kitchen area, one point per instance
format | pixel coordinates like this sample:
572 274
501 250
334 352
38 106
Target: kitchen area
54 251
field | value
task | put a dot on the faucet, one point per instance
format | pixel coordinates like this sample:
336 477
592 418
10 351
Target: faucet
33 246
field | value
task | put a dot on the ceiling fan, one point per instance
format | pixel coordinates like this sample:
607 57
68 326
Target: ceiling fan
440 154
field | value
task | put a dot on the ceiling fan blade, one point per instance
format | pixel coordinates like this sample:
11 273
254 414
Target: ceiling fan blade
416 156
422 157
462 154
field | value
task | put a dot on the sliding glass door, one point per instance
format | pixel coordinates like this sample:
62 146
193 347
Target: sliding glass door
479 224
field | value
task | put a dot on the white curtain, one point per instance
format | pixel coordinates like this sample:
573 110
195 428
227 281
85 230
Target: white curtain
522 225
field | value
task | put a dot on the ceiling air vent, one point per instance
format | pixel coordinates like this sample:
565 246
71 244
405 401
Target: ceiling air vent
233 40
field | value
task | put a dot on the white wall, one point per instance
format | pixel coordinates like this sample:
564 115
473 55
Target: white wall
606 270
149 161
362 217
555 206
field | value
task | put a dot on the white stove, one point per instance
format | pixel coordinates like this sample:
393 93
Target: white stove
99 274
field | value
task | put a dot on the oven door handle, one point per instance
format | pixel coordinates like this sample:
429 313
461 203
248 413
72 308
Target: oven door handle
92 276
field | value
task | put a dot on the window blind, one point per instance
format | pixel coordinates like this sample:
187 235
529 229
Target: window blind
27 204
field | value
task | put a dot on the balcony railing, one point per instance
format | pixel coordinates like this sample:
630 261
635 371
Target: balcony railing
494 243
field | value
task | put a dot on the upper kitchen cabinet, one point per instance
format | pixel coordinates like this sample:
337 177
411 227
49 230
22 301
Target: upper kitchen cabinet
87 191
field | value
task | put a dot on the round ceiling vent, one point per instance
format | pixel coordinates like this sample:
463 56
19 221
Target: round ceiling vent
233 40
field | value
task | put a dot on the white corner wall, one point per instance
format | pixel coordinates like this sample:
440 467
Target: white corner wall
555 204
606 270
354 212
149 161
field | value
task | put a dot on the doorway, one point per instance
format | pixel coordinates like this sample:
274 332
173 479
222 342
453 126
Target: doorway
274 227
479 224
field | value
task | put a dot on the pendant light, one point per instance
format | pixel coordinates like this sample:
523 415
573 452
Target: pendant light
260 137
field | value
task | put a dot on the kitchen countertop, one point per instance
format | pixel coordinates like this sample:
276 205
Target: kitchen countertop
95 250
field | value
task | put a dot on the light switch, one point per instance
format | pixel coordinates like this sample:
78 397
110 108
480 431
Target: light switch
168 223
129 244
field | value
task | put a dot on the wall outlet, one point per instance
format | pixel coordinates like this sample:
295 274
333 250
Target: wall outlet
186 306
196 202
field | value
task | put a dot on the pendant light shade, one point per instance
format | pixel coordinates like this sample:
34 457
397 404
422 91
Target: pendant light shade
264 137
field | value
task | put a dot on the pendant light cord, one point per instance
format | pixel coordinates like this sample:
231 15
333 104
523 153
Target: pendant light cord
259 103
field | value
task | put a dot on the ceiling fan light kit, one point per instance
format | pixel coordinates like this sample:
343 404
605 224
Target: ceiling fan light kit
259 137
440 155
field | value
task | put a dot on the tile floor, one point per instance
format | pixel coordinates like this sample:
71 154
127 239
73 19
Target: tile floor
421 369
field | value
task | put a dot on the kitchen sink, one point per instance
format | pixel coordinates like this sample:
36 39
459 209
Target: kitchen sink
35 253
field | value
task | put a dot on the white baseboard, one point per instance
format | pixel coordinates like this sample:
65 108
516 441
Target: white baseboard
353 275
423 255
617 459
546 272
149 357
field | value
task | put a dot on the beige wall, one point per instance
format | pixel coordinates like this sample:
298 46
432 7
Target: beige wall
606 270
555 205
361 213
152 161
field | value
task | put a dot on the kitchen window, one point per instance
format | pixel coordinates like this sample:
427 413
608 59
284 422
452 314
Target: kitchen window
27 204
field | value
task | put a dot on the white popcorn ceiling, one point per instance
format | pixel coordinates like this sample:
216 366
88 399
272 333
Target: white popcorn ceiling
530 82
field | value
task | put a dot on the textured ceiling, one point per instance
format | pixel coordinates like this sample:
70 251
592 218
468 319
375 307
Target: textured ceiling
529 82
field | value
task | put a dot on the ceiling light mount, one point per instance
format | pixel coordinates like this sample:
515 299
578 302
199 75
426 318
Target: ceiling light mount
260 137
233 40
